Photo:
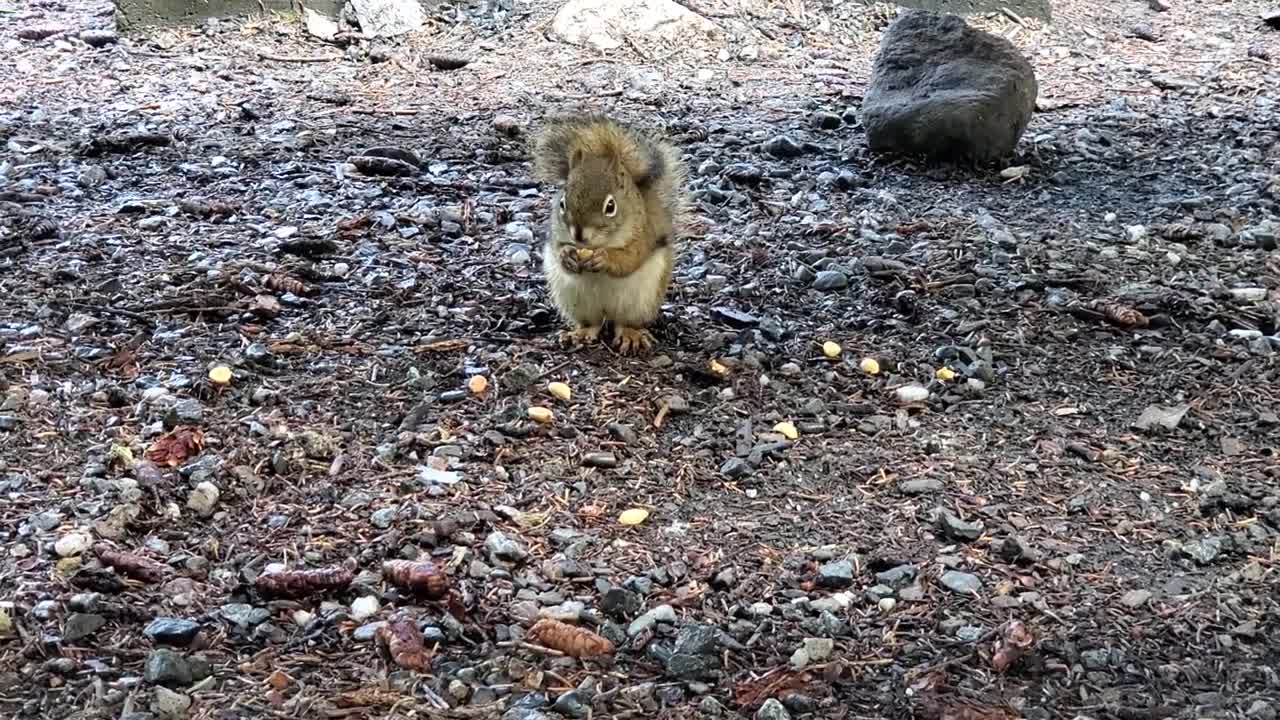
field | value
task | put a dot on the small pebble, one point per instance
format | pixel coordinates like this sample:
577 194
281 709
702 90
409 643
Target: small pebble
203 499
71 544
909 394
364 608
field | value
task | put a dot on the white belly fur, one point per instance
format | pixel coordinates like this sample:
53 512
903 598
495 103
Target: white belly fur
589 299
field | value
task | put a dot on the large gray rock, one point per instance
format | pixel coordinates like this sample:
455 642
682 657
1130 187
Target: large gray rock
605 24
945 90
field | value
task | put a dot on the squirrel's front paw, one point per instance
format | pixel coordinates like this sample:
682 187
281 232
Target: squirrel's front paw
569 259
590 260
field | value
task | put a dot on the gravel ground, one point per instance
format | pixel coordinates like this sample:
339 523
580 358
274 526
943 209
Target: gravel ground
1058 497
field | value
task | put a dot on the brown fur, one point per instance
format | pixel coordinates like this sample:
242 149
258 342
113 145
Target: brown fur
624 276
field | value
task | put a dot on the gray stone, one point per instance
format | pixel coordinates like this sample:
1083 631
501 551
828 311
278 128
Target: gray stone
167 668
383 518
572 704
1261 710
838 574
170 705
501 547
1015 549
957 529
661 613
961 583
44 610
81 625
735 468
1135 598
187 411
1204 551
46 520
772 709
245 615
830 280
943 89
898 575
920 487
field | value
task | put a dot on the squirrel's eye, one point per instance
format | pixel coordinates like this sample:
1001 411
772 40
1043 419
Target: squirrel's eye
562 204
610 207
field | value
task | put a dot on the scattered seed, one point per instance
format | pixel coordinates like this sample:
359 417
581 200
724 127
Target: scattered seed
831 349
787 429
540 414
945 373
634 516
220 375
478 384
560 391
870 366
718 368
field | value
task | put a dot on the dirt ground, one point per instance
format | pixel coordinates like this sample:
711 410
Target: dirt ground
1084 521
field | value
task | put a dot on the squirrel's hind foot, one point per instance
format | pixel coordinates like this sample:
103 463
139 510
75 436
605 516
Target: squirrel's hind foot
580 336
633 341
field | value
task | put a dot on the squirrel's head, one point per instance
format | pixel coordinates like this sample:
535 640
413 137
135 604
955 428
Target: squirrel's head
599 201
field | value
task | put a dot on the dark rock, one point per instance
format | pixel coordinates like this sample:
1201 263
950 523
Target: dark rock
825 120
622 433
734 318
245 615
743 173
99 38
620 603
943 89
838 574
783 147
1014 549
772 709
897 575
172 631
167 668
957 529
603 460
735 468
725 579
184 412
571 704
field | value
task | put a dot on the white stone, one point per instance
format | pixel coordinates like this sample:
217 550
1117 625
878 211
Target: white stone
386 18
364 608
603 24
203 499
71 544
912 394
